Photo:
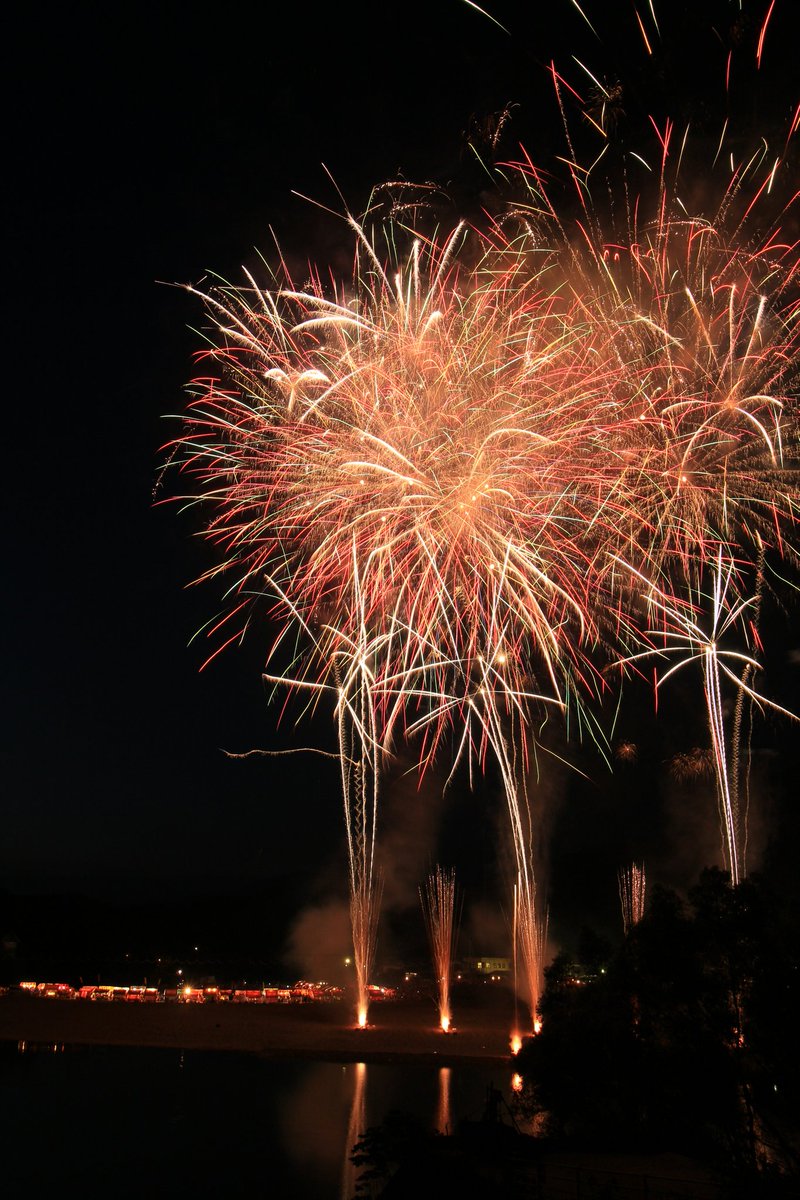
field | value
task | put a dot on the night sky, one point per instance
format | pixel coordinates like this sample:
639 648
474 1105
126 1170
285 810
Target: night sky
155 143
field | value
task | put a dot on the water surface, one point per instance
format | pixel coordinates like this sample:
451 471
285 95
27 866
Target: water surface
139 1121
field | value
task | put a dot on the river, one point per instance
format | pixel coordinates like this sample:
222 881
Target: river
95 1119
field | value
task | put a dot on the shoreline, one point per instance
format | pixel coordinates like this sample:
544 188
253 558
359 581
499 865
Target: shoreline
398 1032
402 1033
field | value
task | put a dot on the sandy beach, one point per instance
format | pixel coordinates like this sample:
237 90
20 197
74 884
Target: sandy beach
324 1031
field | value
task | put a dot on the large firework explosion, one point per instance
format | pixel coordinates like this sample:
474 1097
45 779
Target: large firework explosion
696 496
494 464
398 471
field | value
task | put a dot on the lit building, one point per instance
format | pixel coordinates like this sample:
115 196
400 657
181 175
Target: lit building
487 965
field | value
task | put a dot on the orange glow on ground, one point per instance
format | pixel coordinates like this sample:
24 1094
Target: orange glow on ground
445 1024
362 1018
516 1082
537 1025
516 1043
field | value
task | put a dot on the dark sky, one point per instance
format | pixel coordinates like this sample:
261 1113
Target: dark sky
153 143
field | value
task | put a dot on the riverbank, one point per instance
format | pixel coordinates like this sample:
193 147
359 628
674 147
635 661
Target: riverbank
398 1031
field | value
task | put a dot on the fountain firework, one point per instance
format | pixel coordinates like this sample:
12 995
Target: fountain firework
438 898
631 882
530 937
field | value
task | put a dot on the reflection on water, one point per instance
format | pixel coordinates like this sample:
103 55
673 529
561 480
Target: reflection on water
355 1127
443 1113
112 1117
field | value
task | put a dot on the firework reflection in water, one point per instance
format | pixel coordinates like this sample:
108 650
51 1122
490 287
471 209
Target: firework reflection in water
443 1111
696 629
356 1126
438 898
631 882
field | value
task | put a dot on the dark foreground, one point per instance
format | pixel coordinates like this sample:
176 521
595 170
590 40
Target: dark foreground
323 1031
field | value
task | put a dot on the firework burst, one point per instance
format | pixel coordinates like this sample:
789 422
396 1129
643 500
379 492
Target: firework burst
397 471
491 464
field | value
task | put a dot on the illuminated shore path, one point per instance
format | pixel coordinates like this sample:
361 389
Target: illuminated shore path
400 1031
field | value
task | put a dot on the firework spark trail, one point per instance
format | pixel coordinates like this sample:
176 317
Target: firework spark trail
492 720
530 928
632 884
740 776
356 1127
530 936
360 768
700 424
438 898
681 632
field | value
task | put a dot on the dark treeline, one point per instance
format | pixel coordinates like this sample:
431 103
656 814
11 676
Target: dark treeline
681 1040
684 1038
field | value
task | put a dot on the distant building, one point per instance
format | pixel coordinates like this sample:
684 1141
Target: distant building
491 964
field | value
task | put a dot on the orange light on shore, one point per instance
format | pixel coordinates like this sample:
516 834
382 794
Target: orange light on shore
445 1024
537 1025
516 1043
362 1018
